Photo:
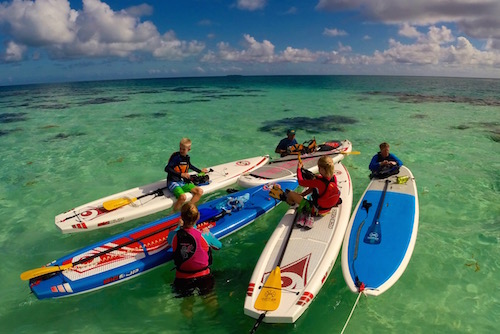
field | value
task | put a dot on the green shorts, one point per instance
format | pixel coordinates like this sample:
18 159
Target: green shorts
179 188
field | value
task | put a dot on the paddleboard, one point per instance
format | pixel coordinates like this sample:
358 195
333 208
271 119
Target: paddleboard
382 233
151 198
286 167
307 261
107 262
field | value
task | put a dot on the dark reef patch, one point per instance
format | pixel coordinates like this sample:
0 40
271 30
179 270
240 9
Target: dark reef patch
312 125
66 135
422 98
12 117
159 114
419 116
103 100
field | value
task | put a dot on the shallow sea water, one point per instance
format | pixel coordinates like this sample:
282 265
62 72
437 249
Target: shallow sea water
66 144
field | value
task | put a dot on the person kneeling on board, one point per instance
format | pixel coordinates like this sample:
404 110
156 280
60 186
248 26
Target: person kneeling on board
192 255
323 189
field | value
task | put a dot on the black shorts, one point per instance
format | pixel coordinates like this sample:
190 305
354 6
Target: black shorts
184 287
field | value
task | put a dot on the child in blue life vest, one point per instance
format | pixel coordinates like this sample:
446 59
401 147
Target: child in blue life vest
178 178
325 193
384 163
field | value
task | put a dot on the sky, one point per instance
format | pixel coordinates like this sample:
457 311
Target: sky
46 41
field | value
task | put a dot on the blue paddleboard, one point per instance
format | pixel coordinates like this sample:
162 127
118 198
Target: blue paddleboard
381 234
129 254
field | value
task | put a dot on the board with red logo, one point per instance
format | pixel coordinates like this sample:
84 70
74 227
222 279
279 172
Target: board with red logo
146 200
286 167
307 258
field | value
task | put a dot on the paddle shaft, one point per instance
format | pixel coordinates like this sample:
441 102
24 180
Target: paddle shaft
156 192
379 209
314 155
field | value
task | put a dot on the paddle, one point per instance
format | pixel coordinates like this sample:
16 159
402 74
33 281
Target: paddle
118 203
270 296
374 233
316 155
33 273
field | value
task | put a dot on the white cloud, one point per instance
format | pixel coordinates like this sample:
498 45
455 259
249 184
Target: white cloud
476 18
254 51
251 5
437 47
14 52
298 55
407 30
334 32
39 23
94 31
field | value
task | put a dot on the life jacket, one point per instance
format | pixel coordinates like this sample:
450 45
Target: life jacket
329 197
183 167
190 259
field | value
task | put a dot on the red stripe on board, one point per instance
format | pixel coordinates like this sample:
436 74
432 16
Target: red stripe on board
250 289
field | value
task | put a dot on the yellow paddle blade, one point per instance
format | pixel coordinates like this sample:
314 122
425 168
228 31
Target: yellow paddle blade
270 296
117 203
352 152
43 271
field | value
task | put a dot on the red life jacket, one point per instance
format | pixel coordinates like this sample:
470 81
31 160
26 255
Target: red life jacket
192 254
329 197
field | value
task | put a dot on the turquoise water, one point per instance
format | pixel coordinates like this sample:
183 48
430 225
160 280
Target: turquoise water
67 144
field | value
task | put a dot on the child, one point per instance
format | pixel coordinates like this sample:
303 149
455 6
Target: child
325 193
192 256
178 179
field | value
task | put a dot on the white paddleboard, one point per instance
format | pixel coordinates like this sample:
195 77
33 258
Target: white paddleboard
154 197
308 258
286 167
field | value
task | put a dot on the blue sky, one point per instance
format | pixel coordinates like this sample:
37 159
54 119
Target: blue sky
61 40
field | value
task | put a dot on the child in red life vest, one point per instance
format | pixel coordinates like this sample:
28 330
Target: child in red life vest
192 256
325 193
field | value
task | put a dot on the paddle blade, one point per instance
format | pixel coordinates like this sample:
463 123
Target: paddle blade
351 153
270 296
117 203
27 275
374 234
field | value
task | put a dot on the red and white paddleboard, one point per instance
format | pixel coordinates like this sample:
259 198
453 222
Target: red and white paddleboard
148 199
308 257
286 167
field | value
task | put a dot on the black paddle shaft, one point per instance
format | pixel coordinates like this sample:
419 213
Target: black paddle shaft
216 217
379 209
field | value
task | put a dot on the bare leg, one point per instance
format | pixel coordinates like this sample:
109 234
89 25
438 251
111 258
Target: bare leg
294 198
180 201
197 192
